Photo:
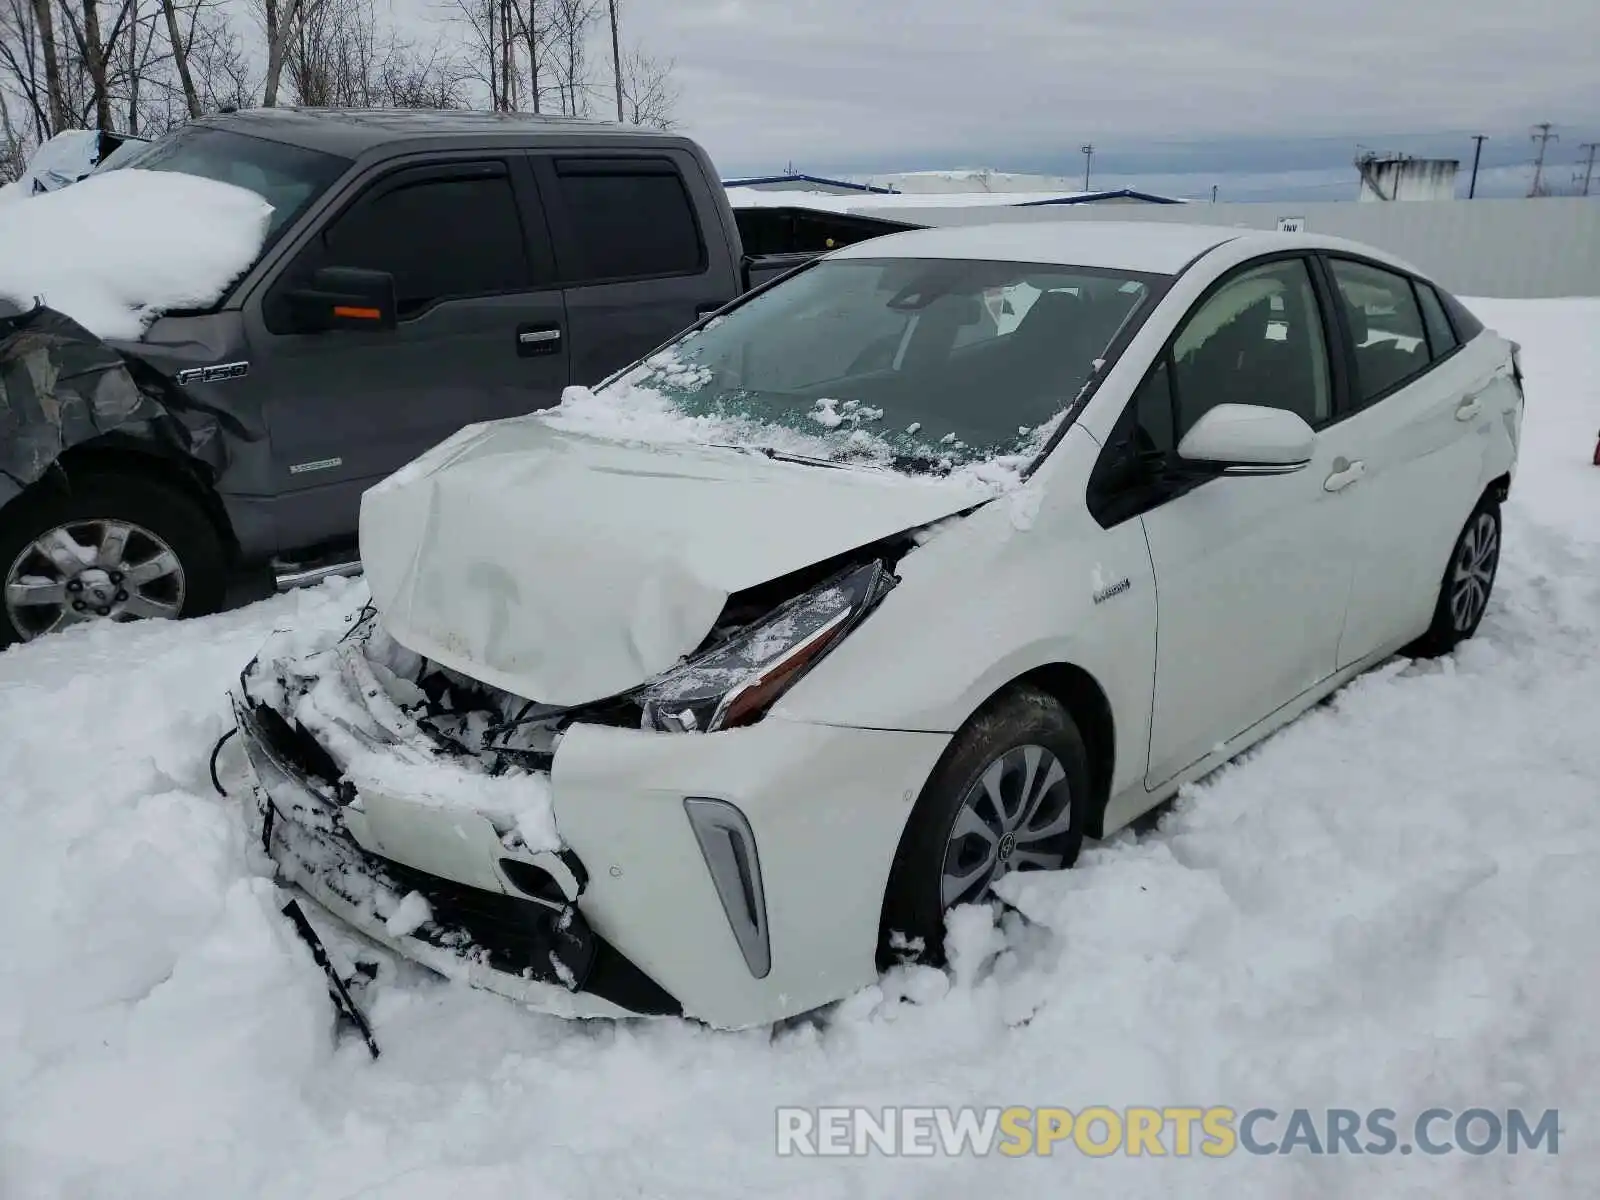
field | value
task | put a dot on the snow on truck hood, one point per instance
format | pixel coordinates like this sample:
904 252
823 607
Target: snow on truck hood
566 567
114 251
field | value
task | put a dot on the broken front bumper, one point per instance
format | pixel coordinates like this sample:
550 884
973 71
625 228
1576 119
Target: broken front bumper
736 877
538 950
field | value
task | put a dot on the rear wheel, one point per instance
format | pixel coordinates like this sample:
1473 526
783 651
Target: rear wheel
1468 580
107 548
1010 794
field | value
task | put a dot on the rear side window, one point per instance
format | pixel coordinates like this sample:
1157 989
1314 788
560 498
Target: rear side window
1441 338
1466 325
1391 343
629 220
441 238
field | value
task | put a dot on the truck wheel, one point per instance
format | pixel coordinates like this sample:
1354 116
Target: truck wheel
107 548
1010 794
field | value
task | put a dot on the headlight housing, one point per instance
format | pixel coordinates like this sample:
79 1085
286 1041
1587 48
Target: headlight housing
736 681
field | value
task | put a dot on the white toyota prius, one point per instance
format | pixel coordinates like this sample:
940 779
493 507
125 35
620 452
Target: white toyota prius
713 689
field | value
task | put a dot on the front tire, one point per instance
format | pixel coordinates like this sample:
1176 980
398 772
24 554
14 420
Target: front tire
1010 793
1468 581
108 547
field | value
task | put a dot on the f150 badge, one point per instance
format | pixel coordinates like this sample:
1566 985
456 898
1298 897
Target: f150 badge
212 374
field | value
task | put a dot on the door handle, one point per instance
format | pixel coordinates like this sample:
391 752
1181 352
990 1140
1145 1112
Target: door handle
538 339
1470 407
1344 474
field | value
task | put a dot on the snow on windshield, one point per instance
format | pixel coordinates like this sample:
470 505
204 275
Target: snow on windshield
927 367
115 251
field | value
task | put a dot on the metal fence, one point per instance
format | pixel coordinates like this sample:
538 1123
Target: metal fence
1511 248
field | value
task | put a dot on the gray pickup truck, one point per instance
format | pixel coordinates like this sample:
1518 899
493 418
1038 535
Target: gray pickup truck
422 271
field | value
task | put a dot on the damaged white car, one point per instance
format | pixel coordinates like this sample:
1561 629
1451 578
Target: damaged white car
712 690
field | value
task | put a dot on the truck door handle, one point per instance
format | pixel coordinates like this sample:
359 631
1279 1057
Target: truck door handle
1470 407
538 339
1344 474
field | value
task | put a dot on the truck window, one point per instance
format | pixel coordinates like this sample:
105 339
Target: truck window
439 238
629 220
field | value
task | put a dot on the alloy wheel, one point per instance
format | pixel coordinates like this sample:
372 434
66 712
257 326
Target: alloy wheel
1013 818
1477 555
101 570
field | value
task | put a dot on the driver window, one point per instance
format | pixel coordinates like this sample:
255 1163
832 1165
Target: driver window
1257 340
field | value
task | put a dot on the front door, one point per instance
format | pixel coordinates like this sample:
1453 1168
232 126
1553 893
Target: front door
480 335
1252 572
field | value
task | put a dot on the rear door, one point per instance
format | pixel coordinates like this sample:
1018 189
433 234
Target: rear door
637 263
1419 430
479 334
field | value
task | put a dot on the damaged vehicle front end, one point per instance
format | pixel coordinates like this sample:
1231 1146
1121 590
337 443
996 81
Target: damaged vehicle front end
542 852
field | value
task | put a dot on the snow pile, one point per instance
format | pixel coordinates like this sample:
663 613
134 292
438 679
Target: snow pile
1391 903
116 250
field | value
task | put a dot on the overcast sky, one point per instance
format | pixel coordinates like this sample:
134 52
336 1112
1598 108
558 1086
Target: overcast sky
1249 90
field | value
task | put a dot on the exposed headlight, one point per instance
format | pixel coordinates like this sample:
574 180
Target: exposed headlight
734 683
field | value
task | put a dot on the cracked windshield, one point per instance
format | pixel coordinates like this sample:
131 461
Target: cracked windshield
919 364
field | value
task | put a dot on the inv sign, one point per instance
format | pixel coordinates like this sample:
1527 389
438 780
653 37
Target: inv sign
1291 224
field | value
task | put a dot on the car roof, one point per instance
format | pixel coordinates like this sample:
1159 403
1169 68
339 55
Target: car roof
1142 247
353 131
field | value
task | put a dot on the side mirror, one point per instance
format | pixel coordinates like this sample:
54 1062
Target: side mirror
1248 439
344 298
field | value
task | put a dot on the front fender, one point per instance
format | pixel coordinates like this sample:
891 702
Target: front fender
60 387
985 603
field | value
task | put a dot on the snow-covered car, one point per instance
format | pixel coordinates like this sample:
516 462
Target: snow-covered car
712 690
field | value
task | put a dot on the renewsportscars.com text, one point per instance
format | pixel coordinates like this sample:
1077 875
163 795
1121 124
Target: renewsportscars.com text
1212 1132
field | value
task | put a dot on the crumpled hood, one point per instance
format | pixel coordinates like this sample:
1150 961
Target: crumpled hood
566 568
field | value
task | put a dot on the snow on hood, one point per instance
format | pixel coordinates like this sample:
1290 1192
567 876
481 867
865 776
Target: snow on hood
566 567
114 251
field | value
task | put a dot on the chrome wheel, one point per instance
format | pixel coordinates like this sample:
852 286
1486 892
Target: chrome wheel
1477 556
92 570
1015 817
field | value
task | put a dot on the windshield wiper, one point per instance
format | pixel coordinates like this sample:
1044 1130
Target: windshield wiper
805 459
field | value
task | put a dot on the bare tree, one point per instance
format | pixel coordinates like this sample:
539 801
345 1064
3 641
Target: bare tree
180 56
572 21
649 93
281 19
50 57
13 147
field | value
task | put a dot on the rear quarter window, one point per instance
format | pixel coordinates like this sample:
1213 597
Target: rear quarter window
1466 325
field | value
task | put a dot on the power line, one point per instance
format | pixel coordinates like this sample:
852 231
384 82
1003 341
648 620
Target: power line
1543 137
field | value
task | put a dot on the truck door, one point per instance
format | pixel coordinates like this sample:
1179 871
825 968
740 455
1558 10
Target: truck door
479 333
637 264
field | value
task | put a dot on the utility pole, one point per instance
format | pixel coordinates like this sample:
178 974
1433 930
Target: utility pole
1213 193
1543 137
1588 170
1088 158
616 59
1477 153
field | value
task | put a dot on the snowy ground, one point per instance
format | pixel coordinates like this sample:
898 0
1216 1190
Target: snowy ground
1392 903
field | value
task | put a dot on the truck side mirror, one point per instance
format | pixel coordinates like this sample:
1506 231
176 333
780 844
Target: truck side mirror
344 298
